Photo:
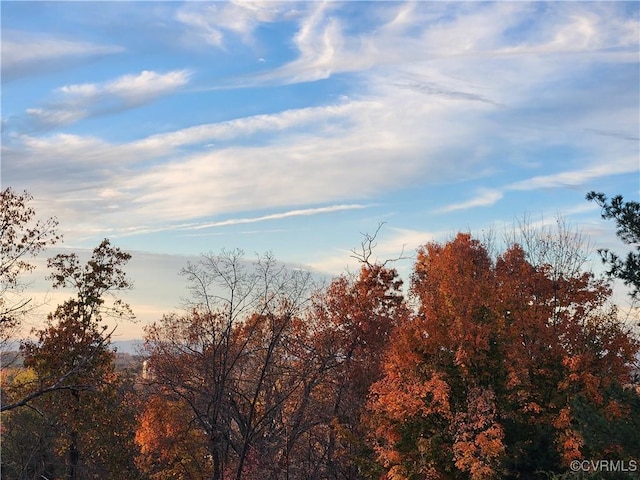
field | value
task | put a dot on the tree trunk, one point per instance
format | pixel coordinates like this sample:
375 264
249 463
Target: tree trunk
74 453
74 457
217 467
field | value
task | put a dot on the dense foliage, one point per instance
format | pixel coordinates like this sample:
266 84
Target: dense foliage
491 365
484 381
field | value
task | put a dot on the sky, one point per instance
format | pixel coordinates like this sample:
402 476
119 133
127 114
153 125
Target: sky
177 128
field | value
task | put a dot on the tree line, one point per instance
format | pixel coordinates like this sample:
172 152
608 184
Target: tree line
491 364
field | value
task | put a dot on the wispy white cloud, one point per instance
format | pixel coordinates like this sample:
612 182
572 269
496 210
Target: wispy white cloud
286 120
586 28
484 198
134 89
427 32
76 152
343 152
581 176
323 49
210 22
53 117
36 151
25 53
571 178
304 212
77 101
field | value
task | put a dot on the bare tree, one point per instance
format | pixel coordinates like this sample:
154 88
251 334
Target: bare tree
559 246
231 359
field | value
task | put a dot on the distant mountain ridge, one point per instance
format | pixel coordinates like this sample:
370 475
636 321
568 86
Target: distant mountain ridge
132 347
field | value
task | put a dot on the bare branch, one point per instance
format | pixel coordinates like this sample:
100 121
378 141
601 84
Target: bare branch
367 246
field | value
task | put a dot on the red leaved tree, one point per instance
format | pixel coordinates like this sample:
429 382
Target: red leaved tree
482 380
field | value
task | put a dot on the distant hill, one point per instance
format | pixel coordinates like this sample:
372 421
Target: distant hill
124 361
128 346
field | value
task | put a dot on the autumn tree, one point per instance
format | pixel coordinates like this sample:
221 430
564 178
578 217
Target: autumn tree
231 362
482 381
354 319
75 389
22 237
171 444
626 215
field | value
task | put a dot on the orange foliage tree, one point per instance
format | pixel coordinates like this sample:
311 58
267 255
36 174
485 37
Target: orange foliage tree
481 381
171 446
354 319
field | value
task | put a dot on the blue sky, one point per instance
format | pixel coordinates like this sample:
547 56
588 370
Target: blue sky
179 128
